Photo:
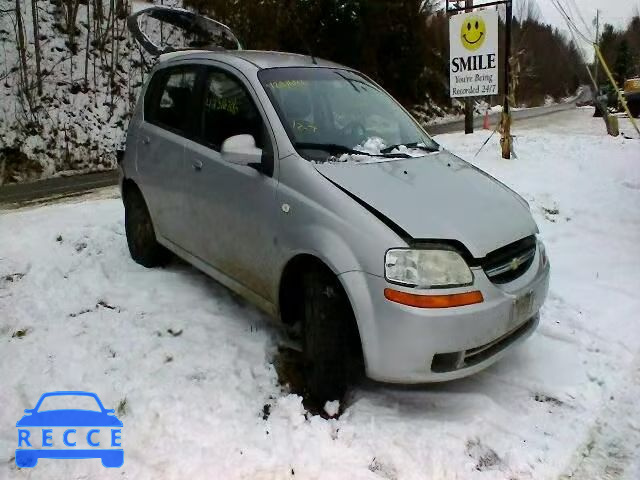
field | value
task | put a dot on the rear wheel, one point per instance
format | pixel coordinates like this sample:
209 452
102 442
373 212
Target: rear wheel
141 237
327 321
634 109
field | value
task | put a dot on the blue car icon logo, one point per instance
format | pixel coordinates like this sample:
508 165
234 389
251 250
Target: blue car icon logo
43 432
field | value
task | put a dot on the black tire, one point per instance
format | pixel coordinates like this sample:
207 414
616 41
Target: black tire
634 109
328 316
141 237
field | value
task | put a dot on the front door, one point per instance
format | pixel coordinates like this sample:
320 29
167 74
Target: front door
232 207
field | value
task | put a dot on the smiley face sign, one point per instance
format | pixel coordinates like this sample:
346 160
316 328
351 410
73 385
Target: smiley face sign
473 48
473 33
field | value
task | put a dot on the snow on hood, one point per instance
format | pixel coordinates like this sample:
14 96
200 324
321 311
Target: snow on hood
373 146
439 197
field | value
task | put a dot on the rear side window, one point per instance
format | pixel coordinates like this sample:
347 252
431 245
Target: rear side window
228 111
170 99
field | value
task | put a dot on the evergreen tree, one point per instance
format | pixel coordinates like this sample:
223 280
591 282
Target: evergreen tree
623 62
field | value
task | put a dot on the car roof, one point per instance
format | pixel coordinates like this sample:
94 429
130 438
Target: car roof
259 59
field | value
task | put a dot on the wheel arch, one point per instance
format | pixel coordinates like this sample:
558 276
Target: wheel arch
127 186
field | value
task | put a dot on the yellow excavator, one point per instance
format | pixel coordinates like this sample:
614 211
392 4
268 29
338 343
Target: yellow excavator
632 95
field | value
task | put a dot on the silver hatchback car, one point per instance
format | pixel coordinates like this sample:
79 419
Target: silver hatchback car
303 186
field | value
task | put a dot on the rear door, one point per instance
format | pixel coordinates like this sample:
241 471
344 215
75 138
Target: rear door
168 120
232 207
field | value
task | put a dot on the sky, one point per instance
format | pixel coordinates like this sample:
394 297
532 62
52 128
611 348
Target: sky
616 12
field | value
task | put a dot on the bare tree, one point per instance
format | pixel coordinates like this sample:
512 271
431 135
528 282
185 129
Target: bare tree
22 51
112 16
36 43
70 8
86 56
98 10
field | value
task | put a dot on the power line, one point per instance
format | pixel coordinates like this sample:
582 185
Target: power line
573 28
577 10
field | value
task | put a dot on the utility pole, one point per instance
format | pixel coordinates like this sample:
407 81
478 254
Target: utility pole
468 102
597 63
506 115
596 86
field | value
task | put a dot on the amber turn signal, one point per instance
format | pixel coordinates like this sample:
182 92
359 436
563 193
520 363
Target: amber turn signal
433 301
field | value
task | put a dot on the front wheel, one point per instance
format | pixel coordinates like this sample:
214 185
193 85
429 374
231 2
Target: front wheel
327 321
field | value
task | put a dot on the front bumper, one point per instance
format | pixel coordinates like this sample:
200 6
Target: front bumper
404 344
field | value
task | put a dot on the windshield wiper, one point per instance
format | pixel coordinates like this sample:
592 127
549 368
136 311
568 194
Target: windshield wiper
332 148
335 149
418 145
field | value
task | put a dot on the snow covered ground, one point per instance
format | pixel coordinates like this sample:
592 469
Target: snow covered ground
188 365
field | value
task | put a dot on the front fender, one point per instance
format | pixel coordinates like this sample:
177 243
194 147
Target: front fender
325 245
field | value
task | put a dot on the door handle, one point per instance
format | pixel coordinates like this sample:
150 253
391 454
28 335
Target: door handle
146 140
197 165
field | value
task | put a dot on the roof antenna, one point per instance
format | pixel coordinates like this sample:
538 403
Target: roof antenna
302 39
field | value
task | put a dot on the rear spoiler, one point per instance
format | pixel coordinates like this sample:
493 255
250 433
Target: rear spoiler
208 34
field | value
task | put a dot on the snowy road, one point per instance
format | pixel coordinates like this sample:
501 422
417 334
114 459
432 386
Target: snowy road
188 366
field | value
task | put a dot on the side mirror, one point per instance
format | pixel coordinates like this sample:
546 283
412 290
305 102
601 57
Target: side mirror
242 150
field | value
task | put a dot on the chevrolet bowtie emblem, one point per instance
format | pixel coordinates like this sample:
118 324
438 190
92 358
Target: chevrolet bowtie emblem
515 263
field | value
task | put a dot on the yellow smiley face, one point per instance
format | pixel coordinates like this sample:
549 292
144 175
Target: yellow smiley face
473 33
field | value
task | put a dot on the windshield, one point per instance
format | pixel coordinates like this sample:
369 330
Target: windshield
338 115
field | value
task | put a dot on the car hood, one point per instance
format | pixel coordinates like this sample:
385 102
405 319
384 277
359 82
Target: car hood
69 418
438 196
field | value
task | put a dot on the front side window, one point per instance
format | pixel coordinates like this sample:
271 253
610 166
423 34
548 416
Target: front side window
327 110
229 110
172 100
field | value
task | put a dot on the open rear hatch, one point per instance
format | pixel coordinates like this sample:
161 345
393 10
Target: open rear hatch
160 29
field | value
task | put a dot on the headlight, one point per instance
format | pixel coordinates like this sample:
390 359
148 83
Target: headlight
543 254
426 268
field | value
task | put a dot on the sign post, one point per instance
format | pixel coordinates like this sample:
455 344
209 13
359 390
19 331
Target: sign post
473 62
506 139
468 102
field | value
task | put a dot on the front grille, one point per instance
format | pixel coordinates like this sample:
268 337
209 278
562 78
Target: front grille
450 362
508 263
